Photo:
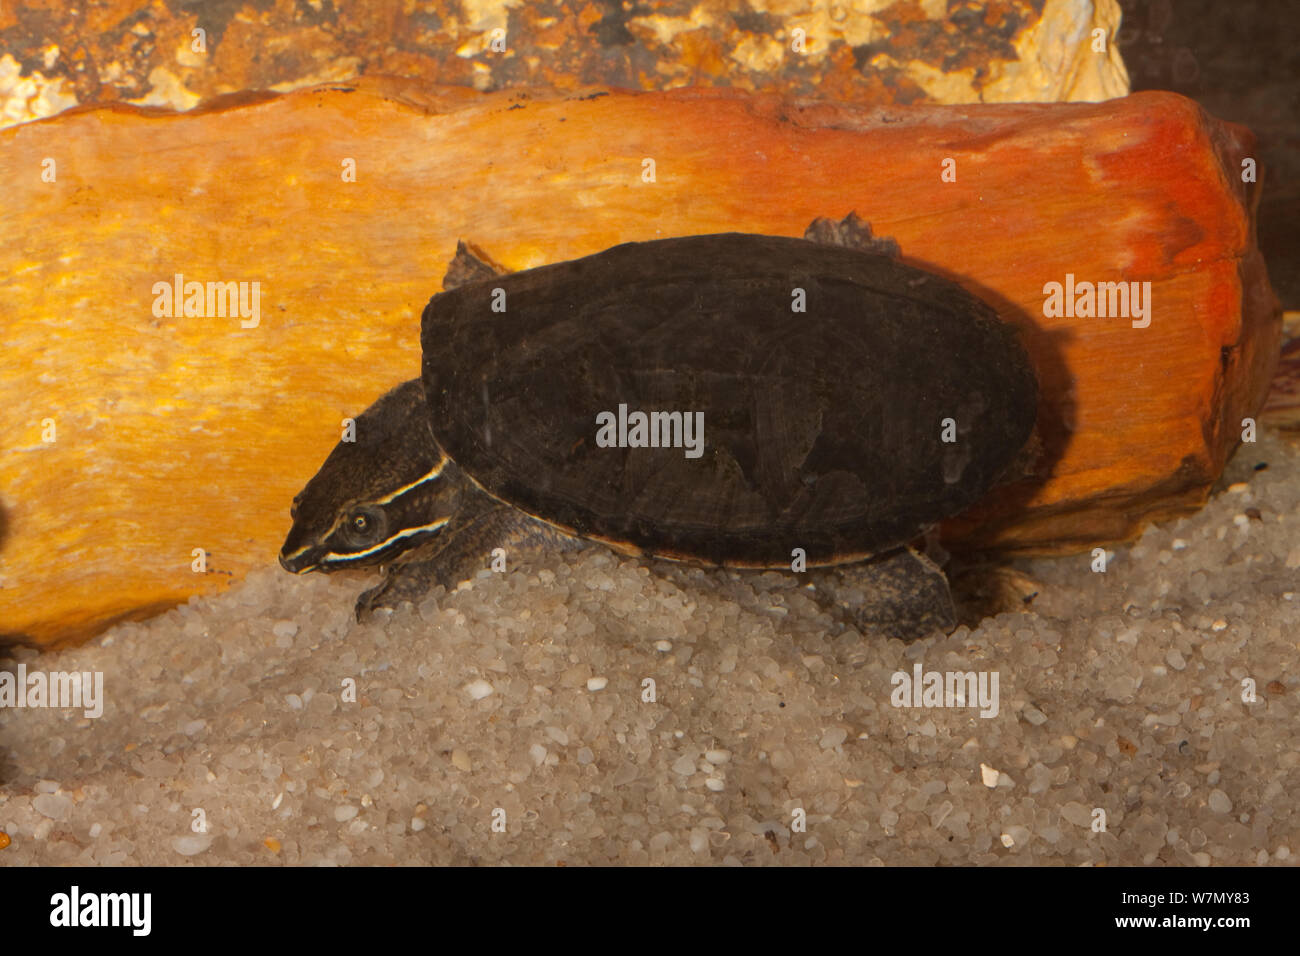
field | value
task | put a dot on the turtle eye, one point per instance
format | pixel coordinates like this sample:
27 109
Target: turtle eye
364 526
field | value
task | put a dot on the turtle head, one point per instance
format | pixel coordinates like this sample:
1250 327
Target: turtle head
375 498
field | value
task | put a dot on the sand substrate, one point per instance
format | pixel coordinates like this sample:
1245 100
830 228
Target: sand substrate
589 710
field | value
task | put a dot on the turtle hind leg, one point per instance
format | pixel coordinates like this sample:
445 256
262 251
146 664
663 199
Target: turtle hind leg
900 594
985 588
852 232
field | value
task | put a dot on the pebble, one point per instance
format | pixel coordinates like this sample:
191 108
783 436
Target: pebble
944 811
191 844
989 776
1219 801
832 738
479 689
52 805
1018 835
1076 813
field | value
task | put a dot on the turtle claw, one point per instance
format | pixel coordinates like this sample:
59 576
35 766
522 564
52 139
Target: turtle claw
852 232
368 601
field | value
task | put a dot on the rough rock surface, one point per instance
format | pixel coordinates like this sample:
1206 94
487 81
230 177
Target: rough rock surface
857 51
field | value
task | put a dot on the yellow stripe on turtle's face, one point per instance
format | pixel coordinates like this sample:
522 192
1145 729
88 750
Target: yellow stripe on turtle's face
346 513
435 472
333 558
367 531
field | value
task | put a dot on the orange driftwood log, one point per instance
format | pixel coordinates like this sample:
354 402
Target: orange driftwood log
134 434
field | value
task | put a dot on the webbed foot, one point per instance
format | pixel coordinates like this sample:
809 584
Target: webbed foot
853 233
407 581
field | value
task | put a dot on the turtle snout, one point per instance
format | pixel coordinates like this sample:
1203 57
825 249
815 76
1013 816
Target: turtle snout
297 563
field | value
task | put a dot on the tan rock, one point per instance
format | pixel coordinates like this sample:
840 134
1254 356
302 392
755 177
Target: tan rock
853 51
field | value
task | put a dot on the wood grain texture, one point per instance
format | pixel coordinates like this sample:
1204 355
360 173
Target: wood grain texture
183 433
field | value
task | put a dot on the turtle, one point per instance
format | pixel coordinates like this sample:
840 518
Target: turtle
737 400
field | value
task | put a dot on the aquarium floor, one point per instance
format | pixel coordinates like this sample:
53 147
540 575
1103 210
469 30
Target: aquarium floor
589 711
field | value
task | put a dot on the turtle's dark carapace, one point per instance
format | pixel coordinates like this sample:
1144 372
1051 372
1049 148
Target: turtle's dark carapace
849 400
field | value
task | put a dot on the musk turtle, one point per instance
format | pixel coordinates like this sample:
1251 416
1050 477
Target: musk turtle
806 399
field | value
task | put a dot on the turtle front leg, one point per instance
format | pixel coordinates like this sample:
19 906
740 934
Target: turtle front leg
460 553
404 581
900 594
